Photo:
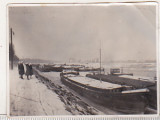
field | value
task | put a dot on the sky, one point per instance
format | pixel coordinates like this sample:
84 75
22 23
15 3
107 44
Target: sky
62 32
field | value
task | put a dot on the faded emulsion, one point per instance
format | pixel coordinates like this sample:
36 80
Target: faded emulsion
84 59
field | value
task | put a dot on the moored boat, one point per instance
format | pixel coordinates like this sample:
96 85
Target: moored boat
121 98
85 69
50 68
128 79
117 72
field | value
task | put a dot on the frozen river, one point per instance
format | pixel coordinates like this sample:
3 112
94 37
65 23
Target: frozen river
138 69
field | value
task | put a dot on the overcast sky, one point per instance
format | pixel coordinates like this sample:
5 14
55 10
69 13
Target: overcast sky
127 32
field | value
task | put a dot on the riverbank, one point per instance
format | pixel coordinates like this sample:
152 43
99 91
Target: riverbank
32 98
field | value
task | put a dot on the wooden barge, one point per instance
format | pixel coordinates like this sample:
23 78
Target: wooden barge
135 83
49 68
86 69
117 97
61 67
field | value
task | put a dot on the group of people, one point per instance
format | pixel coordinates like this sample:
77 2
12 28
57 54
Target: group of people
27 70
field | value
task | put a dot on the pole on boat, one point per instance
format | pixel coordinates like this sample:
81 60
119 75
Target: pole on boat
121 69
100 57
100 61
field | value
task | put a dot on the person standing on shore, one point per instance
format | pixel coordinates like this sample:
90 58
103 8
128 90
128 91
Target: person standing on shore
27 70
21 69
30 70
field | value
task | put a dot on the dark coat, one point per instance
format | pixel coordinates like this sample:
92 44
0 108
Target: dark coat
27 69
21 69
30 70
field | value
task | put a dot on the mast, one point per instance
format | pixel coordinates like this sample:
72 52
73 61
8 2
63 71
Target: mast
100 60
100 57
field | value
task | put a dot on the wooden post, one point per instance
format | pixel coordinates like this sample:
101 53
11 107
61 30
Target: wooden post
11 50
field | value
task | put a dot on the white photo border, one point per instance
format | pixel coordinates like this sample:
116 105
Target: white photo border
4 63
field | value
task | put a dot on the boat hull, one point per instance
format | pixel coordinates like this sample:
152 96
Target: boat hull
130 103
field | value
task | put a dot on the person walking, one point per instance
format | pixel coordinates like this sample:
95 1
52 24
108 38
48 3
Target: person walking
30 70
21 69
27 70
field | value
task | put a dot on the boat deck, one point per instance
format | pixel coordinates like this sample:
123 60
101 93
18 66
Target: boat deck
138 78
93 83
123 81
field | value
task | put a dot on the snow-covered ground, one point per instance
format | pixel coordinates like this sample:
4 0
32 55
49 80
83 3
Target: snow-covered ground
31 97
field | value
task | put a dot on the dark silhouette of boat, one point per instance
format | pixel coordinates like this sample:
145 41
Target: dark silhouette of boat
61 67
86 69
50 68
121 98
116 77
117 72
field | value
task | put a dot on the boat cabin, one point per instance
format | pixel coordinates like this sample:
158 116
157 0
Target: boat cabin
117 71
114 71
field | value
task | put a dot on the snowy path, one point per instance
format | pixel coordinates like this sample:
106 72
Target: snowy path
30 97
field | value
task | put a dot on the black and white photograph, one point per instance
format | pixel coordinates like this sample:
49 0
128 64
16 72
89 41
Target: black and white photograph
82 59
